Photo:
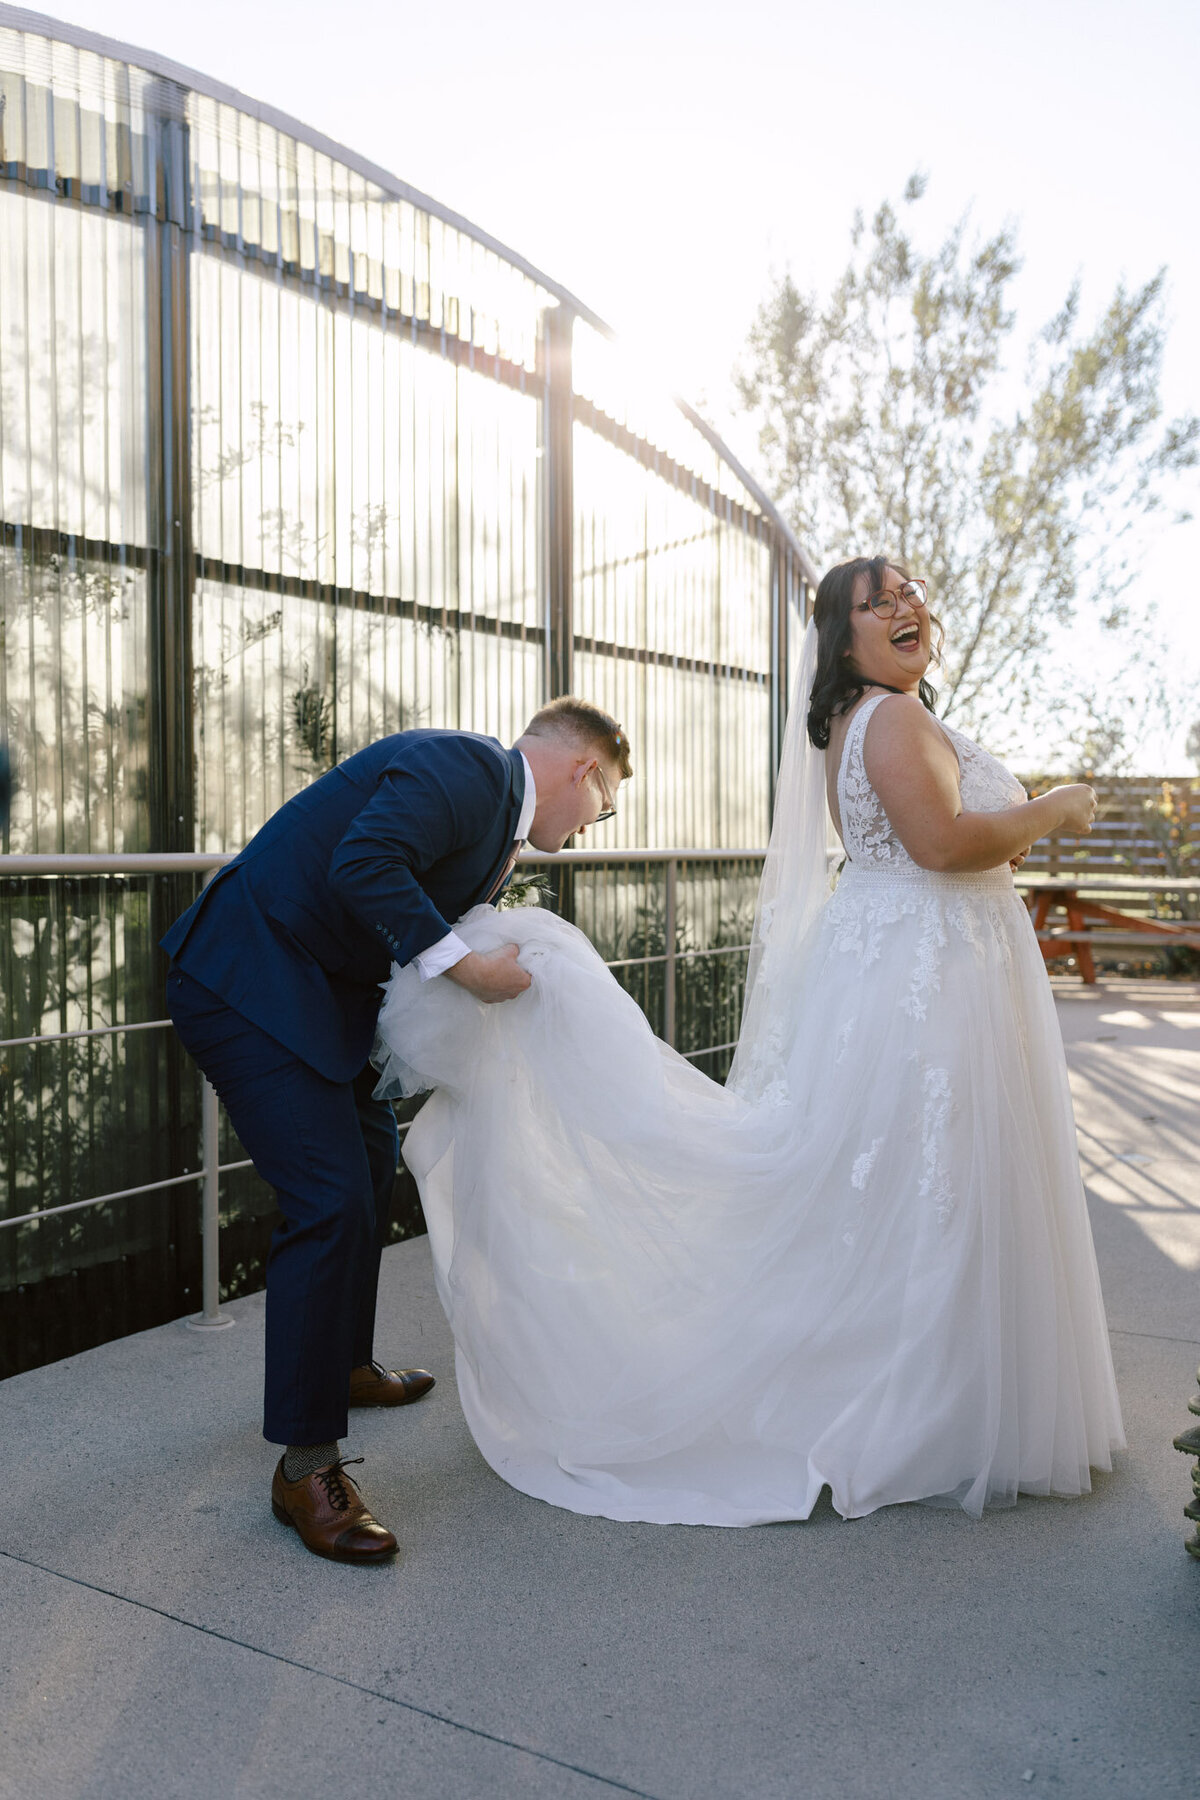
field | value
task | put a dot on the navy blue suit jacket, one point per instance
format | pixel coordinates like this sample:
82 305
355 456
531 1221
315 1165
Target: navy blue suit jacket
367 867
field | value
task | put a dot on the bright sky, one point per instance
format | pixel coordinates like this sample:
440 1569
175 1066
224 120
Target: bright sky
661 158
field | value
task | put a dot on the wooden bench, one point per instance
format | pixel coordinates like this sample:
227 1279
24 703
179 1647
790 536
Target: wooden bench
1094 922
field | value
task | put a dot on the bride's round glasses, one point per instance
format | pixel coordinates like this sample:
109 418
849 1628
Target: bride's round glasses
883 604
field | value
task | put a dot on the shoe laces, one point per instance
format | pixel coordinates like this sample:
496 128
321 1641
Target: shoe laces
337 1485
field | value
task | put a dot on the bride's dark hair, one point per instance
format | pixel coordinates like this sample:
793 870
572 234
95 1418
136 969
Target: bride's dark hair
837 685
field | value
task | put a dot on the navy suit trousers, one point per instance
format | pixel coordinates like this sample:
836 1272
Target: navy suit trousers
330 1152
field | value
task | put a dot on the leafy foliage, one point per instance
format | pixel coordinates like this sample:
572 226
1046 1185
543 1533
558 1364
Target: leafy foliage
312 718
1193 743
525 890
888 421
1170 821
1170 824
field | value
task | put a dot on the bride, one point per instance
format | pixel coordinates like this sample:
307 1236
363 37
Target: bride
865 1263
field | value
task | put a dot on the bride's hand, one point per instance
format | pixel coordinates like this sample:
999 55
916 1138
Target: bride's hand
491 975
1077 807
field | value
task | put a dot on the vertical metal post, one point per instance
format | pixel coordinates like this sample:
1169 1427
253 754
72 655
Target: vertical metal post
171 562
211 1318
170 574
672 873
779 664
560 500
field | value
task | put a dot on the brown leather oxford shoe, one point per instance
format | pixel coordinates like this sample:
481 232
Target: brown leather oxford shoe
373 1385
327 1510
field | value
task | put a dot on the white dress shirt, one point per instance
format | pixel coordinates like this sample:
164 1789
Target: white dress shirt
448 950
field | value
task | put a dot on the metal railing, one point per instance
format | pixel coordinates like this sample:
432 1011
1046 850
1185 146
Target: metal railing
670 956
211 1169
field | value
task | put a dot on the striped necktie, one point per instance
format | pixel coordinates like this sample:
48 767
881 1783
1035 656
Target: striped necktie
506 871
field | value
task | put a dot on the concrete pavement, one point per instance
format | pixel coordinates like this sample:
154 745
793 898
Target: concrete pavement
164 1637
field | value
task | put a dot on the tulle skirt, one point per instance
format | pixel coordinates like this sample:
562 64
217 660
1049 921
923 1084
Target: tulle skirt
671 1302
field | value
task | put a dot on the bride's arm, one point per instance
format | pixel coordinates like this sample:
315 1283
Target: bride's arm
914 770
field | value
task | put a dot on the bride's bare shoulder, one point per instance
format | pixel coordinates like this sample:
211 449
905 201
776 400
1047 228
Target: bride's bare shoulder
902 737
902 719
840 724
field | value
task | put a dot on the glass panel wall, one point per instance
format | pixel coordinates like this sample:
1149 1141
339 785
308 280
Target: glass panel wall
292 458
672 613
366 517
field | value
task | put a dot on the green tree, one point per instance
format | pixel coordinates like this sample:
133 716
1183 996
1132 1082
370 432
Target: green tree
1193 743
888 419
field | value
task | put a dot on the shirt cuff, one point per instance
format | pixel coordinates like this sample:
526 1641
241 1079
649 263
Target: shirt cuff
441 956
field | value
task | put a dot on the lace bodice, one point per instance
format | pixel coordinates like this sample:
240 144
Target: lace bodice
986 786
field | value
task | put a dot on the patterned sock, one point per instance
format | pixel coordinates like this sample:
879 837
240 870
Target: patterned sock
300 1460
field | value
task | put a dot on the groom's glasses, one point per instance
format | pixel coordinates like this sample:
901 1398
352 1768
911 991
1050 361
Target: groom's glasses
883 604
609 808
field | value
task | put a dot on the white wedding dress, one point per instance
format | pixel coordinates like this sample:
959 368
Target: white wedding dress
866 1263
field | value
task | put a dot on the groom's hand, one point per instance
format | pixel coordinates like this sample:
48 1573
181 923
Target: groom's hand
491 975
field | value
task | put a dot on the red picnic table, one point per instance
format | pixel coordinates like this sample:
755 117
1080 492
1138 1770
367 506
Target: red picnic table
1088 902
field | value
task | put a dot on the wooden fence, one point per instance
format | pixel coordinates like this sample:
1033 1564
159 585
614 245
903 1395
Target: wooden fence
1145 825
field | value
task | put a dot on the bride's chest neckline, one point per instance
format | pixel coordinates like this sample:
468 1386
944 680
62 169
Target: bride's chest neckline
985 782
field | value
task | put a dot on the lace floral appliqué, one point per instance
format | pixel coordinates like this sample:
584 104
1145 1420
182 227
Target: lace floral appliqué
935 1122
860 1174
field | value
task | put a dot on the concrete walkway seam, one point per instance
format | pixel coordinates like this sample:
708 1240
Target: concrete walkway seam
424 1712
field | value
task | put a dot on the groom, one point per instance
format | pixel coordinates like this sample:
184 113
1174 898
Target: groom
275 988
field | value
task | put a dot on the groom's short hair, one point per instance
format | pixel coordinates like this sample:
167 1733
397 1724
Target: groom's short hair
582 723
